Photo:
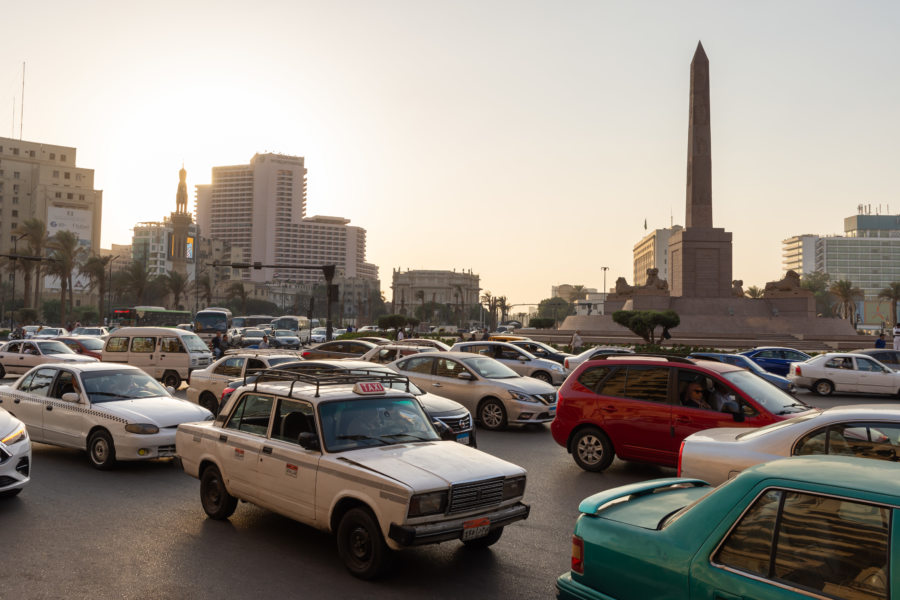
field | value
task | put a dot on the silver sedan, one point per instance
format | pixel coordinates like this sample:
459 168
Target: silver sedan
868 431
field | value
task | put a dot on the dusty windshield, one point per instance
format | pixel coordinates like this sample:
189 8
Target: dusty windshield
110 386
54 348
368 422
194 343
764 393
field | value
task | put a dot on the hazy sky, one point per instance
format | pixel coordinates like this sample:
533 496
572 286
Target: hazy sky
525 140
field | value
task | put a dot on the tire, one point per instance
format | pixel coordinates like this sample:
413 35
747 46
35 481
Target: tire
492 414
209 402
823 387
101 450
592 450
217 502
483 542
543 376
361 545
172 379
2 372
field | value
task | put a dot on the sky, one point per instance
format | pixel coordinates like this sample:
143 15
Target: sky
528 141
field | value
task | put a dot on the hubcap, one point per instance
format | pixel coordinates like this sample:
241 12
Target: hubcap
590 449
101 450
360 543
492 415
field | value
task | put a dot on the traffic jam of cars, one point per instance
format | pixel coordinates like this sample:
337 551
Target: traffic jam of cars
374 441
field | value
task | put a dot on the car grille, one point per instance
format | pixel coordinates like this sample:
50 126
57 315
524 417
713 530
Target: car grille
5 481
547 398
166 450
457 424
479 494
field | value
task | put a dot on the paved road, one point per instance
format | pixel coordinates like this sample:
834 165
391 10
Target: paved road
139 532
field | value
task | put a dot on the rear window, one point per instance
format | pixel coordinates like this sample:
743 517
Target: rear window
637 382
117 344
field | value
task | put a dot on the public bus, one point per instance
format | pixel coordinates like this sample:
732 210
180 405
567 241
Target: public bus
150 316
300 325
210 321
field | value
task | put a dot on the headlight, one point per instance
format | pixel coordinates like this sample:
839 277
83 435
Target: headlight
18 435
513 487
558 368
427 504
142 428
519 396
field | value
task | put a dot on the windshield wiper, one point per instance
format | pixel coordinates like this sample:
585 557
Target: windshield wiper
357 438
415 437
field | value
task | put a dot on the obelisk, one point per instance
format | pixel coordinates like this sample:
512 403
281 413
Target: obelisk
700 254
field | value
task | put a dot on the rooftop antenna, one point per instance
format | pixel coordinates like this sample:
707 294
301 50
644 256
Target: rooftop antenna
22 104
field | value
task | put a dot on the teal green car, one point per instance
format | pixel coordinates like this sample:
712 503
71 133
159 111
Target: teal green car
801 527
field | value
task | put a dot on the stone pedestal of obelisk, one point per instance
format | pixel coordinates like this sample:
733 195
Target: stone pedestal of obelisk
700 254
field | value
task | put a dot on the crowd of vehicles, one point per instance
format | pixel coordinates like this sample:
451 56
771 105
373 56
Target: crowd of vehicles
374 442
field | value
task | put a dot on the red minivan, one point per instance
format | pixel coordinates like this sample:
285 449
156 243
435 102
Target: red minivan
640 408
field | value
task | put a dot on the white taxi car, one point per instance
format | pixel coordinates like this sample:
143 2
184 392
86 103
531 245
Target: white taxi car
19 356
205 386
350 455
15 455
115 412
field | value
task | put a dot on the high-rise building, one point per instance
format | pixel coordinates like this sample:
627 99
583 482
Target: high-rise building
260 210
652 252
42 181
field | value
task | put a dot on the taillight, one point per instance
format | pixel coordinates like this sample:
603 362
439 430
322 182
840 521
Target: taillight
680 452
566 363
797 371
577 555
305 353
226 392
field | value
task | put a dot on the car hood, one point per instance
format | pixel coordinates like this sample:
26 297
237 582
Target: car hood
716 435
435 404
526 385
160 410
70 358
430 465
7 422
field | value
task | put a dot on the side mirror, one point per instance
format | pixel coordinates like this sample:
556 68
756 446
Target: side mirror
443 430
734 409
308 441
465 375
71 397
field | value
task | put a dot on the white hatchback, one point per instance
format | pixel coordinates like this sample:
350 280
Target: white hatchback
115 412
844 372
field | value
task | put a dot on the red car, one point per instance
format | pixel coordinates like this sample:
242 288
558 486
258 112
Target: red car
640 408
87 345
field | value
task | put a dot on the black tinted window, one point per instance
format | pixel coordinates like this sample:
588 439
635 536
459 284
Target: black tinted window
592 378
638 382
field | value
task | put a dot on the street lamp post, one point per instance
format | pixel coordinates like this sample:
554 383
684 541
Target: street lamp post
12 313
109 292
604 269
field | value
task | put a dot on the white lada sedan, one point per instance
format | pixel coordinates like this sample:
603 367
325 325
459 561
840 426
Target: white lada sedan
115 412
350 455
15 455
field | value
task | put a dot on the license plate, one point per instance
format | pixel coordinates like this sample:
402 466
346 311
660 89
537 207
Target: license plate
462 438
476 528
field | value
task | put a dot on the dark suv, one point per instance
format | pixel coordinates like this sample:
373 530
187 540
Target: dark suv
641 407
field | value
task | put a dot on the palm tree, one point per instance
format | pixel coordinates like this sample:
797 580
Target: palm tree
490 302
136 279
578 293
65 255
177 284
754 291
892 294
239 292
504 307
847 295
94 268
35 231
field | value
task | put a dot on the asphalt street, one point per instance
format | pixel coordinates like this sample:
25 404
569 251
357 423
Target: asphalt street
139 532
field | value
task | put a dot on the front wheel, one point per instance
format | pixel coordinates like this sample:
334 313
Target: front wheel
361 545
543 376
172 379
492 414
483 542
592 450
823 387
101 450
214 496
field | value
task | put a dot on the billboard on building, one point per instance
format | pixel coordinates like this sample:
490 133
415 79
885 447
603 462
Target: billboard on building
79 222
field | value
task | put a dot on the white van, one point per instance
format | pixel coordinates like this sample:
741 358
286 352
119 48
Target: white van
168 354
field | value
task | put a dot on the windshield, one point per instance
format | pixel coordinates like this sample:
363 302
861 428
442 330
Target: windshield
378 421
211 322
489 368
318 330
284 333
54 348
92 343
252 333
280 361
127 384
764 393
194 343
755 433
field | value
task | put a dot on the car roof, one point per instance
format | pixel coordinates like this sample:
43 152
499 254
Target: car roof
628 359
758 348
83 367
876 477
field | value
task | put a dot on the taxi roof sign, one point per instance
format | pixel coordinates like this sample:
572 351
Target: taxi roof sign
368 388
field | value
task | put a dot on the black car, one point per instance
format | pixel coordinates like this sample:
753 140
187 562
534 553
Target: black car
456 419
890 358
541 350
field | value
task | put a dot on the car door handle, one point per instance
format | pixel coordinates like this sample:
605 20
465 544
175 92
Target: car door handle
267 450
223 438
682 420
49 407
437 385
16 401
609 409
720 595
